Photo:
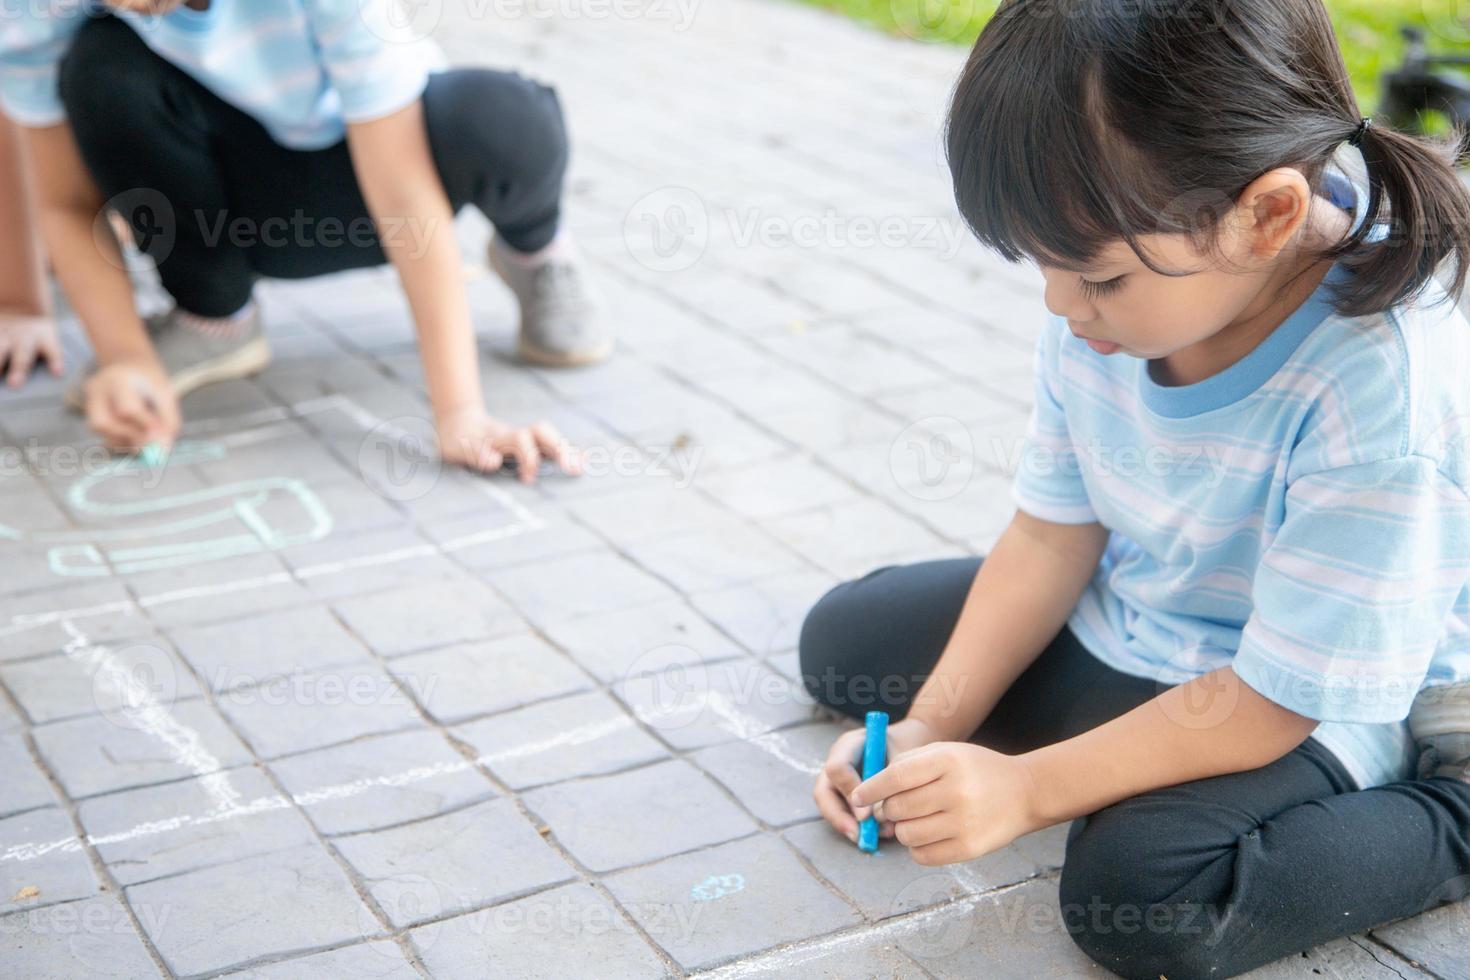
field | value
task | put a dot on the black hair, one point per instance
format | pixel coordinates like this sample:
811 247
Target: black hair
1078 123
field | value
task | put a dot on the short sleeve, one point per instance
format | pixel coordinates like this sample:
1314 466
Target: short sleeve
32 44
374 63
1048 482
1352 596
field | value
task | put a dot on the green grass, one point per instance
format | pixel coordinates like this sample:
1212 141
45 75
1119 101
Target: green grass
1367 29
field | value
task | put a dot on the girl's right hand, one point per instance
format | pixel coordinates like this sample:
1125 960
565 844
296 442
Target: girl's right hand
840 776
131 403
25 341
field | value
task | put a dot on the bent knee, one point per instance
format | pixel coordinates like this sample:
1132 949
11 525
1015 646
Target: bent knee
482 106
822 648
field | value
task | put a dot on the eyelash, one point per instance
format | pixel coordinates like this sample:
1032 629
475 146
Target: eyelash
1096 290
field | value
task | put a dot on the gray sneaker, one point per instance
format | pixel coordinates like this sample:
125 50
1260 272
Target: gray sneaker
1440 723
561 317
194 358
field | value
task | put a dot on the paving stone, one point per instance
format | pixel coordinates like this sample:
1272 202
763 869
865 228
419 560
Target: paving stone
745 554
1438 940
632 817
649 513
571 931
25 785
114 683
1354 958
427 616
98 754
840 961
889 883
773 774
582 735
849 539
398 558
629 641
381 960
240 653
472 679
147 833
310 709
690 707
456 862
92 938
580 585
294 900
9 720
766 616
736 899
381 781
773 489
473 546
57 875
110 615
217 590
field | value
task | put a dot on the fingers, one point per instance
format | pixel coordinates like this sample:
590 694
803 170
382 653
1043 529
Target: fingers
940 852
556 448
912 804
923 831
908 771
832 805
22 357
50 349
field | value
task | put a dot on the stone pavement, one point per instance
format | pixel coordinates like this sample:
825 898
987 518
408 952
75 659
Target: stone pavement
300 704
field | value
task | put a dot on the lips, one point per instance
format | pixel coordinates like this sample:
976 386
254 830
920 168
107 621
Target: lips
1100 346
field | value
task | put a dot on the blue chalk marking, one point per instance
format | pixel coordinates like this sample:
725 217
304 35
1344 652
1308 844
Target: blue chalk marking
875 757
717 886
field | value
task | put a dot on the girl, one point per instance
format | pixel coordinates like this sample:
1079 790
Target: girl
1242 542
287 138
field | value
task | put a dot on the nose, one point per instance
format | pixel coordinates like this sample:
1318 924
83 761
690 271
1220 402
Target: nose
1064 299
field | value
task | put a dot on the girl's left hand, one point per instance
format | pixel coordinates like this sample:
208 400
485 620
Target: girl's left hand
953 801
25 340
474 439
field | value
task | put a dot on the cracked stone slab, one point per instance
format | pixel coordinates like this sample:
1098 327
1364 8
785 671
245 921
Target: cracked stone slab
411 619
472 679
1353 958
381 781
92 938
773 774
99 754
582 735
631 817
55 875
570 931
242 653
624 642
728 901
382 960
1438 940
234 914
452 863
25 785
199 831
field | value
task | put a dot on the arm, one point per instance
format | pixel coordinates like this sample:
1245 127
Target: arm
406 199
26 328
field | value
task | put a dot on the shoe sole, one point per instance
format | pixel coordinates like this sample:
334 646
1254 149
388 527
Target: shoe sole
248 360
540 357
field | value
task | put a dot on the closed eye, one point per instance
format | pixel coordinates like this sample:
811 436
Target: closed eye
1096 290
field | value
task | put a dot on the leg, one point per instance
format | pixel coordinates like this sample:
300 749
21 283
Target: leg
1217 877
870 644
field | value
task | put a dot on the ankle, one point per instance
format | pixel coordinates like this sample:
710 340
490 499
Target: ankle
560 247
232 325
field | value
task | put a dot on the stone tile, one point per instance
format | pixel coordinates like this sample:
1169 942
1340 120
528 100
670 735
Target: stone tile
57 875
840 962
240 653
766 616
110 680
92 938
772 775
289 901
691 707
889 883
25 785
579 585
571 931
452 863
381 960
475 546
310 709
1438 940
380 781
855 536
472 679
774 489
375 561
738 899
617 644
427 616
1356 958
98 755
745 554
582 735
649 513
217 590
110 615
9 720
632 817
193 829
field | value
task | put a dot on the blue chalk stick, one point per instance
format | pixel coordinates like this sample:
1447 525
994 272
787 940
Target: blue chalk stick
875 757
152 454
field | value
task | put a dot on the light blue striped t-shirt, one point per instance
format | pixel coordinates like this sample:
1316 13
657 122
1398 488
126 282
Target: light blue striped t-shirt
1301 516
302 68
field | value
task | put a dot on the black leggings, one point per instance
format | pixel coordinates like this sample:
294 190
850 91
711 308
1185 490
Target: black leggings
1205 879
216 202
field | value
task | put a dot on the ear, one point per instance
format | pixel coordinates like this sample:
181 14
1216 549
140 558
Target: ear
1271 210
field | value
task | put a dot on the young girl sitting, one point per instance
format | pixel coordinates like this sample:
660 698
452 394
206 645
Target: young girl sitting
1243 538
287 138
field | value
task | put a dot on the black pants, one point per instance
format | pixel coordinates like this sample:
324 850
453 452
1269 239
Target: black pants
1206 879
217 202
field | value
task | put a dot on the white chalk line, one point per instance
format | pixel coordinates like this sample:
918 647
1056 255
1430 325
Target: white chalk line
524 522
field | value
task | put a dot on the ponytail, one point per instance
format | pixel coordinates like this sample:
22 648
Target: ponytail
1412 182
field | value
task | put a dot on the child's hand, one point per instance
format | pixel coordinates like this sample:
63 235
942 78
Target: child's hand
953 801
839 776
131 403
472 438
25 340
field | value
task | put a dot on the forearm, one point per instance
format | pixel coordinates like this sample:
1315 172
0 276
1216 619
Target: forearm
1212 725
22 282
1026 588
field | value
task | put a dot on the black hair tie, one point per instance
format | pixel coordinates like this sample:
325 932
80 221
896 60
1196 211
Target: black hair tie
1357 138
